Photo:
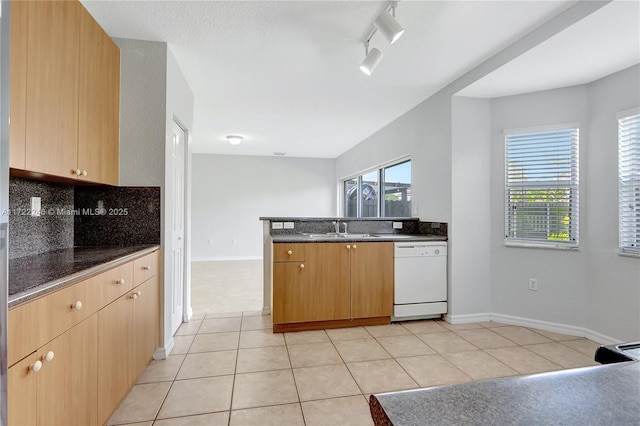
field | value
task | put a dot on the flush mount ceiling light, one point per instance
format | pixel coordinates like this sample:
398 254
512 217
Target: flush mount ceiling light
388 26
371 60
234 139
390 29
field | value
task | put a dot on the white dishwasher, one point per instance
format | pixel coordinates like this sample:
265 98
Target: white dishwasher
420 287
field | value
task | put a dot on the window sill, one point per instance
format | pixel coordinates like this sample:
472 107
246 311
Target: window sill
627 254
541 246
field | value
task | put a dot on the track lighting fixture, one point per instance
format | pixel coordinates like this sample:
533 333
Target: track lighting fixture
390 29
371 60
388 26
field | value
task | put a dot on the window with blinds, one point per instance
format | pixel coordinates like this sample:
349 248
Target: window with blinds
629 182
541 187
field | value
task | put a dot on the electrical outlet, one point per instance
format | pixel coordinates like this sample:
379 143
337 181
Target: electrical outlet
533 284
288 225
35 206
397 225
276 225
210 242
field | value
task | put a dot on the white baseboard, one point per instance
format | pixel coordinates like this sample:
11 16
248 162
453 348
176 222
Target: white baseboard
467 318
570 330
188 314
163 351
222 258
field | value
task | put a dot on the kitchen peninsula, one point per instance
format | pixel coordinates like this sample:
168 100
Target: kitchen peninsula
334 272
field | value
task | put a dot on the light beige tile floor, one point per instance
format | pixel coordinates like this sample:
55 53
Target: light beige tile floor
230 369
226 286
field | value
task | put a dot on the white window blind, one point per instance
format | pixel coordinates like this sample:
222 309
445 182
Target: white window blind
629 173
541 188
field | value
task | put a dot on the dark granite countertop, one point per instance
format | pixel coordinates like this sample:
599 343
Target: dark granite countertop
34 276
344 219
605 395
301 238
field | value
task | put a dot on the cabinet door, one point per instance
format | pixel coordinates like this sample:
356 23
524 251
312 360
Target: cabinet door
371 280
314 290
115 343
98 102
328 292
52 87
18 84
67 385
145 323
290 281
21 394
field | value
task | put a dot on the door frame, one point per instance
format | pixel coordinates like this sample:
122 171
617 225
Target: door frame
167 196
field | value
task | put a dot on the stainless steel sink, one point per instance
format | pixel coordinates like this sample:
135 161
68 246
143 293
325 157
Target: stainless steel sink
340 235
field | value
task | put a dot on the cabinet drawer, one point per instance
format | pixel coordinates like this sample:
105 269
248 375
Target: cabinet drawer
145 268
35 323
286 252
114 283
23 332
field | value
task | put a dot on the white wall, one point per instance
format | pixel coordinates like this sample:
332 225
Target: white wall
230 193
592 288
613 286
142 111
152 91
561 296
424 133
469 230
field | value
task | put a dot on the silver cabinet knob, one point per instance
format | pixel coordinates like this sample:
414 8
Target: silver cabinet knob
120 281
302 266
146 268
348 247
290 252
77 306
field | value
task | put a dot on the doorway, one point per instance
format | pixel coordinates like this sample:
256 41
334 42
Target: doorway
176 200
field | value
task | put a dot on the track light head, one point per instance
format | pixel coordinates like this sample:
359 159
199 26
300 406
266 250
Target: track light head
388 26
371 60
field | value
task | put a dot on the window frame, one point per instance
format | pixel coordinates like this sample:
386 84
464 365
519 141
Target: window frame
625 175
572 185
380 175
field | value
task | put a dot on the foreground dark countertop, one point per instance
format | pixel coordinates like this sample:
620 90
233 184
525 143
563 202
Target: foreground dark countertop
605 394
34 276
301 238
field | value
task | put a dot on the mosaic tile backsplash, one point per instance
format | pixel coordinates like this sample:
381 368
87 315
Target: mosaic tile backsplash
117 216
53 229
71 216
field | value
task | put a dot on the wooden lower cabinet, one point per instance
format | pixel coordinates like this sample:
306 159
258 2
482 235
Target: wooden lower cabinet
128 335
334 281
115 363
146 323
371 280
99 346
63 391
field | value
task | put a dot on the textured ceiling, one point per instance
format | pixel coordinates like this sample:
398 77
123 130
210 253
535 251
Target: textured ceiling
285 74
600 44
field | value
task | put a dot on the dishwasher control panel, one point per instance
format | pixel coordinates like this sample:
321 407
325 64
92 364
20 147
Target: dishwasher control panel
409 249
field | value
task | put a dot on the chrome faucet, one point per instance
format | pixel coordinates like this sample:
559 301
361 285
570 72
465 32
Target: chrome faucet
345 227
336 224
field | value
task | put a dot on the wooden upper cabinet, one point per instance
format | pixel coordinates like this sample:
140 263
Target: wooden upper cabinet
52 87
65 93
99 103
18 84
